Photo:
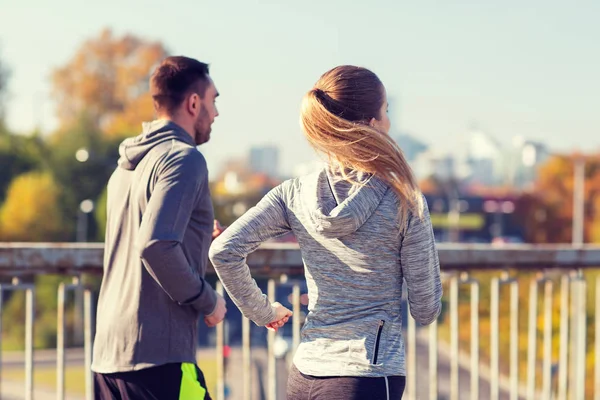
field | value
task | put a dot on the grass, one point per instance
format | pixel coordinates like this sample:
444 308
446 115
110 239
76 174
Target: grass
75 377
46 377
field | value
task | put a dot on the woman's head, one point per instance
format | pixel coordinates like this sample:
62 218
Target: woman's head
354 94
345 117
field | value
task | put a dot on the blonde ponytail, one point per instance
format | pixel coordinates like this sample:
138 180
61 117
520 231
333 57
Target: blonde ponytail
340 130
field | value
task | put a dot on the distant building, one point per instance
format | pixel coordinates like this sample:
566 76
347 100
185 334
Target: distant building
527 156
411 147
512 164
433 163
486 159
265 160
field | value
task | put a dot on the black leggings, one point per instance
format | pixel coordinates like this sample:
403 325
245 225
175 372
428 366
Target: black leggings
307 387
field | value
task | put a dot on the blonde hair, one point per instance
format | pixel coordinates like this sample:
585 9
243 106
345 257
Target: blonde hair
335 119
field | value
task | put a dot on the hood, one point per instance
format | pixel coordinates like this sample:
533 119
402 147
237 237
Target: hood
133 150
337 207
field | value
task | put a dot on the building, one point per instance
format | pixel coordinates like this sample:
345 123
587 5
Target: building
436 164
527 156
486 159
265 160
411 147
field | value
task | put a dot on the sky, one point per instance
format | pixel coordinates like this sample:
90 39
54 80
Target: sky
511 68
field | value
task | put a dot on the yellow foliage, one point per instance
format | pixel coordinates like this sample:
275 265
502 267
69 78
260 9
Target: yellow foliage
31 211
554 188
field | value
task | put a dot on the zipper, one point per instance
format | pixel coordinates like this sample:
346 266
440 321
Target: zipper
377 339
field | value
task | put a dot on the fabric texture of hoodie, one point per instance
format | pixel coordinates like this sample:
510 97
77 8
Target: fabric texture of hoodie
158 232
356 258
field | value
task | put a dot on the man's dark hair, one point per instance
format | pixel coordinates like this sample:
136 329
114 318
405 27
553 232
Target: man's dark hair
174 79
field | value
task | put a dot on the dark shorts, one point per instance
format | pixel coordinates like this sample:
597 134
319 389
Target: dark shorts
166 382
307 387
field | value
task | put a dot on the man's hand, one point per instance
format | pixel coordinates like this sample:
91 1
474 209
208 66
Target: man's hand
217 229
218 313
282 315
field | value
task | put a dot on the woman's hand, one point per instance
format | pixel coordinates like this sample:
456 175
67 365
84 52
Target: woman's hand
282 315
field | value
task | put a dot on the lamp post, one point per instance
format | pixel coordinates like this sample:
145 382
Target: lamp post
85 208
578 200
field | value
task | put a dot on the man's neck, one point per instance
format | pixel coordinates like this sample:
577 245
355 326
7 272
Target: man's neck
178 122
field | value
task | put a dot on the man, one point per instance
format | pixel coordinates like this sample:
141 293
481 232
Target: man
159 228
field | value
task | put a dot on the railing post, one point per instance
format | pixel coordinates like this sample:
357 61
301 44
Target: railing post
1 311
474 339
454 389
246 359
494 341
29 318
29 289
578 329
60 343
433 361
597 343
532 340
271 362
582 335
220 332
532 337
505 279
465 279
563 371
547 364
296 317
411 356
88 340
76 286
514 338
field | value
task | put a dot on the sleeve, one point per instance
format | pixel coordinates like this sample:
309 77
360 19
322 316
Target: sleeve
421 269
268 219
163 226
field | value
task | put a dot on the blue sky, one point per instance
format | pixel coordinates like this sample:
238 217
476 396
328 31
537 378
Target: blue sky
513 68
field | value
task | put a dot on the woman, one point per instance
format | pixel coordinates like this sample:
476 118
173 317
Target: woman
363 227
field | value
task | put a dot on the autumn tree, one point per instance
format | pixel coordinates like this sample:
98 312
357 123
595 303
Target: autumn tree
547 213
107 82
31 211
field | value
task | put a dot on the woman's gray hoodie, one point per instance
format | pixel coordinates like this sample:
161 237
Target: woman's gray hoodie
355 258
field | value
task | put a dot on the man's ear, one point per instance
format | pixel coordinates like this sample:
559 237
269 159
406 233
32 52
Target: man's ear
193 104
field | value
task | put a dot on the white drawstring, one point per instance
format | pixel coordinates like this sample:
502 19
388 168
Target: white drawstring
387 387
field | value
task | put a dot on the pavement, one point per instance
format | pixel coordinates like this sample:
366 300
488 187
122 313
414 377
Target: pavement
15 390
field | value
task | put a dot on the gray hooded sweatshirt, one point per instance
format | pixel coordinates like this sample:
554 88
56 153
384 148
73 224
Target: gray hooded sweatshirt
355 256
158 232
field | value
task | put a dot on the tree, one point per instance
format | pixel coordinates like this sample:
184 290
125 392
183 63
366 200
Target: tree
548 212
100 215
31 211
81 178
18 154
107 81
4 74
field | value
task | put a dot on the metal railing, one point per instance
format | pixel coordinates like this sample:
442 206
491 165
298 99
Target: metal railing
437 365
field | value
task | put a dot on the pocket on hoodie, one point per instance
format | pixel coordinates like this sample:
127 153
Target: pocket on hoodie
378 345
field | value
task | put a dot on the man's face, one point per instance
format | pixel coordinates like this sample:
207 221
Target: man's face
206 115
